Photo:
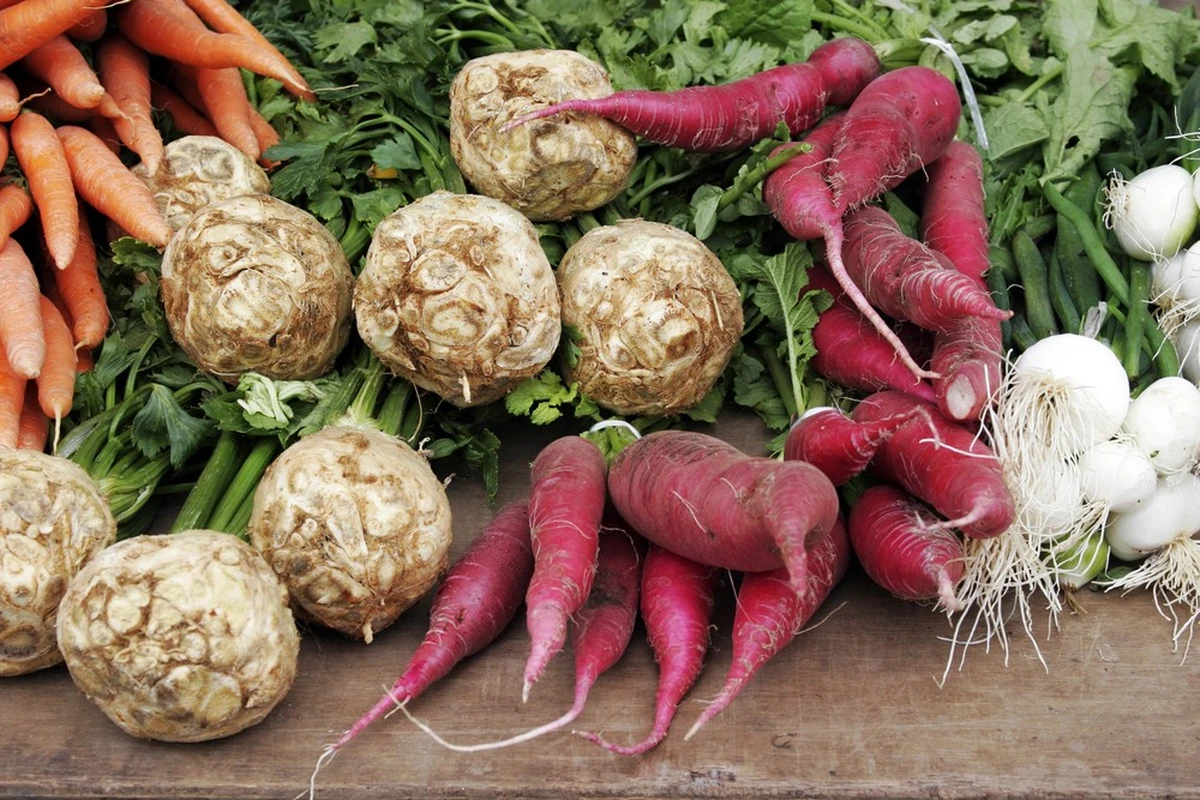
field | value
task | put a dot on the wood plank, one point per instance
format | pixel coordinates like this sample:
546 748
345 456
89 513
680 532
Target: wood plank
852 708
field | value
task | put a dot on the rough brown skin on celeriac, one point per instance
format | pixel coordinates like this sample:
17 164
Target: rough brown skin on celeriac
252 283
357 526
656 313
180 637
549 170
458 296
53 518
199 170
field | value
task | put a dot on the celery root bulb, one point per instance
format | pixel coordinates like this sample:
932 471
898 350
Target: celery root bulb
549 169
458 297
53 519
356 524
199 170
180 637
254 284
657 317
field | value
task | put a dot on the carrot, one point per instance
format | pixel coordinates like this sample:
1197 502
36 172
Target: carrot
56 382
905 279
725 117
566 503
107 132
171 29
53 107
226 104
44 164
968 358
82 295
266 135
475 602
91 28
224 18
21 331
677 598
769 615
28 25
125 73
903 547
836 444
705 499
59 63
942 463
16 206
33 425
4 144
108 186
953 220
186 119
12 399
603 627
10 99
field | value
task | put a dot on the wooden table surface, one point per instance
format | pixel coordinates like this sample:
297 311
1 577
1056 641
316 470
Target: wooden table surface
852 708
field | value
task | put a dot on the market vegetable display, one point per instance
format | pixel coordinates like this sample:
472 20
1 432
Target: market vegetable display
906 238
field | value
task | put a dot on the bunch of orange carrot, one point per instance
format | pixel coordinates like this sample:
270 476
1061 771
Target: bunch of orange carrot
79 82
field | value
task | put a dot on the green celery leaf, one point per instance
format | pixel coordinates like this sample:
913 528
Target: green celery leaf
370 208
540 398
345 39
163 424
769 21
397 153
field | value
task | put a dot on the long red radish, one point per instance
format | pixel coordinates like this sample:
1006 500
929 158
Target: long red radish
903 547
676 607
852 353
566 504
603 627
941 462
704 499
898 122
769 615
474 603
953 219
907 280
796 192
967 357
846 65
732 115
836 444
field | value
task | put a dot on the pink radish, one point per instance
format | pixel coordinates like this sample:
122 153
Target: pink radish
836 444
732 115
566 503
903 547
769 615
968 358
706 500
905 279
953 220
941 462
677 604
475 602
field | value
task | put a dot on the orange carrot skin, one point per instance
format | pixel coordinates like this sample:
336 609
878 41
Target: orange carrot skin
228 107
900 548
60 64
566 504
56 382
108 186
82 295
16 206
907 280
769 615
91 28
125 73
266 135
474 603
186 119
224 18
21 332
953 219
34 428
10 100
12 399
31 23
169 28
677 599
704 499
44 164
940 462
